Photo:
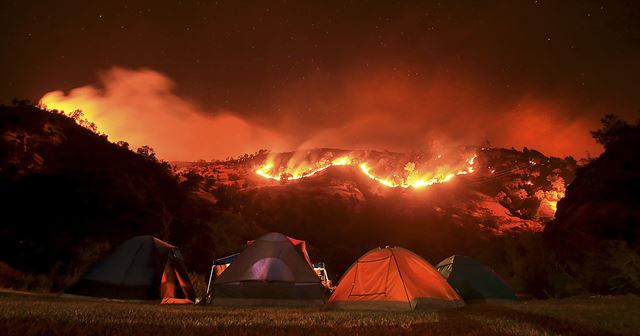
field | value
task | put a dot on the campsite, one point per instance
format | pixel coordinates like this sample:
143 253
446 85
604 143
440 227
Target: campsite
320 167
271 287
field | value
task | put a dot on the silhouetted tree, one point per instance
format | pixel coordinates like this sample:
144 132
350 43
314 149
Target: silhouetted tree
147 152
192 180
613 129
123 144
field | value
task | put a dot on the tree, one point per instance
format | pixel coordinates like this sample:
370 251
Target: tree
613 129
192 180
148 152
123 144
79 117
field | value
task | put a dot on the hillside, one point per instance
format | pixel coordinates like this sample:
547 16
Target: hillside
70 195
596 233
342 212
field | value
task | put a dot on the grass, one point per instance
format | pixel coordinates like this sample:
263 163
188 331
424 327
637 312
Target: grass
29 314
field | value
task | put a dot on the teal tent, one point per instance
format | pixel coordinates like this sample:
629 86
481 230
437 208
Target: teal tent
475 281
142 268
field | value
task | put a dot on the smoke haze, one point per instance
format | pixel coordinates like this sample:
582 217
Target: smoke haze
361 111
140 107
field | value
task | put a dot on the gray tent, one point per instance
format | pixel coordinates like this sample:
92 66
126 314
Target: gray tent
142 268
272 270
475 281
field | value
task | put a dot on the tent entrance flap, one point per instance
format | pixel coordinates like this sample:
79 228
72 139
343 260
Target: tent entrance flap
368 278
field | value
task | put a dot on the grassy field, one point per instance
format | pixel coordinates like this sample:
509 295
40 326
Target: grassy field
30 314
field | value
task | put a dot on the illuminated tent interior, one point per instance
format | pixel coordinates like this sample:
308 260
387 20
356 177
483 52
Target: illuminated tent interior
142 268
273 270
393 278
475 281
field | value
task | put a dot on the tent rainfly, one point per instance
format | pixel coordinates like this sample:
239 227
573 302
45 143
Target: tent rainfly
217 267
142 268
474 281
273 270
393 278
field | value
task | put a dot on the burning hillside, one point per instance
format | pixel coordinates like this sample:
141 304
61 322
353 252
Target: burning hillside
416 170
497 189
526 185
523 184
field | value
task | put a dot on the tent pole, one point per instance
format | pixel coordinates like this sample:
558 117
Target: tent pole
210 277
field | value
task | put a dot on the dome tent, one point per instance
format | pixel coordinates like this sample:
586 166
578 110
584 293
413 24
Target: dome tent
142 268
475 281
273 270
393 278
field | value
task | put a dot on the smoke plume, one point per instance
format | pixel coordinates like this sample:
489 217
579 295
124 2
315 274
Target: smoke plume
140 107
390 110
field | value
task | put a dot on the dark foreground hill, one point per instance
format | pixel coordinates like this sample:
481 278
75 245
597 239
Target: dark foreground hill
68 195
596 234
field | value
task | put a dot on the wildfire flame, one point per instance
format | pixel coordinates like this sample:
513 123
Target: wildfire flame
417 182
552 198
301 172
413 178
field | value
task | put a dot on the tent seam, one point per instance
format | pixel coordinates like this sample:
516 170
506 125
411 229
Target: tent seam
126 273
401 278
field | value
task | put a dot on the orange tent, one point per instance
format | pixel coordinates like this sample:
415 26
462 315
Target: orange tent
393 278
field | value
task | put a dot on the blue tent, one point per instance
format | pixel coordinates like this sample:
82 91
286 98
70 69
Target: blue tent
475 281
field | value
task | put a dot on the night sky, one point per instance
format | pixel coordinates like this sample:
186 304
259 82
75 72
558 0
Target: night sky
286 75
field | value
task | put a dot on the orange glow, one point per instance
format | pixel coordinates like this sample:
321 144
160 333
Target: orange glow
552 198
412 179
141 108
89 107
554 195
418 180
299 171
365 169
